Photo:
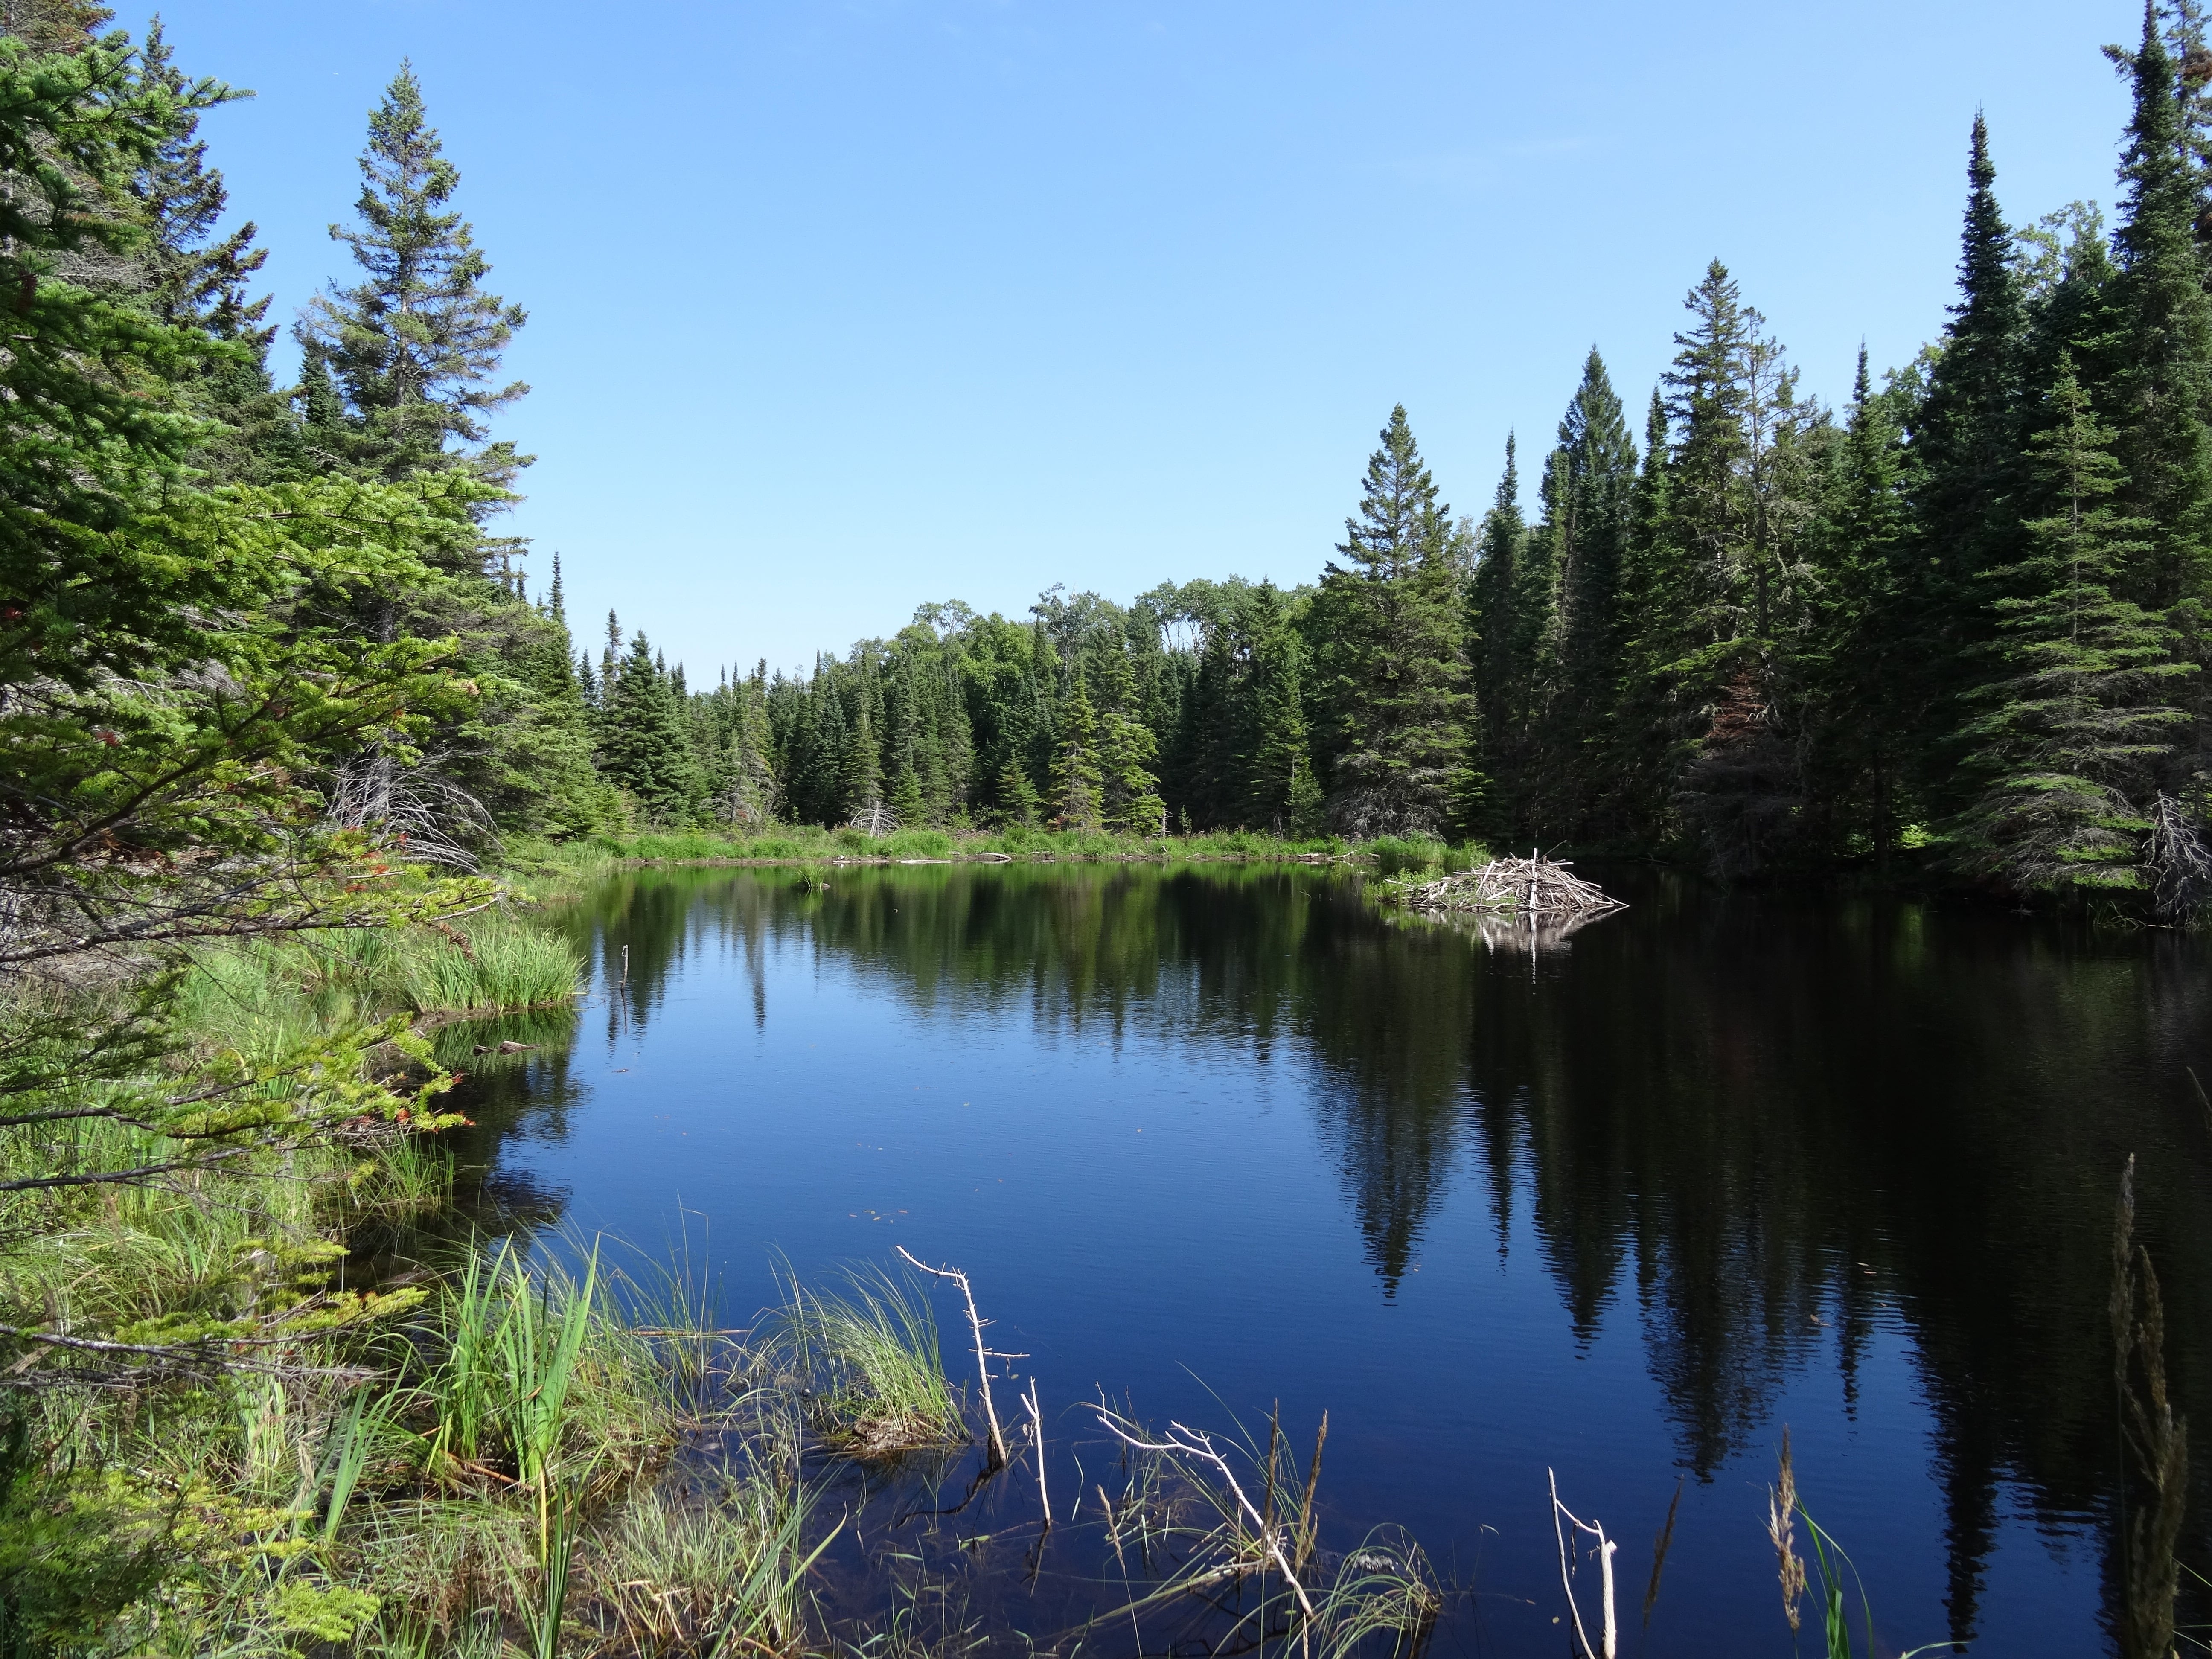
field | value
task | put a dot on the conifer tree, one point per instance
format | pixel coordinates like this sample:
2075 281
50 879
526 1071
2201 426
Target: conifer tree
1496 629
860 781
1865 719
2079 719
414 346
1966 430
906 804
1129 799
1395 672
1018 796
1282 792
1077 783
1597 458
645 743
2163 394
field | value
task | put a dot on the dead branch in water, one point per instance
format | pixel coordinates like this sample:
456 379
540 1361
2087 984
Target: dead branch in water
1528 889
1605 1546
1036 1421
998 1451
1194 1444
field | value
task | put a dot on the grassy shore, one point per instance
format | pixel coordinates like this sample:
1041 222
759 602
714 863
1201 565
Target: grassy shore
516 1447
546 870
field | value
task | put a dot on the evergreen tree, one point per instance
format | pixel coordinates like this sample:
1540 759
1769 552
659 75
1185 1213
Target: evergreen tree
1018 796
1077 783
194 277
1282 792
2075 726
2163 393
860 780
1129 799
1595 470
1499 630
414 346
1395 671
644 745
1865 722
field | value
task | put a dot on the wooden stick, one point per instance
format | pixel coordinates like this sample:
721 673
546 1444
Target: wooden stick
1195 1443
1606 1547
998 1445
1037 1417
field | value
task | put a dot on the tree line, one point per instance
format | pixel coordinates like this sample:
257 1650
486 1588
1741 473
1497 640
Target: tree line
1959 623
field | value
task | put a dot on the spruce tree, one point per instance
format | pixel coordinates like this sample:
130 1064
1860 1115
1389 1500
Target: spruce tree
906 804
1018 797
1967 433
1865 720
1281 793
1077 783
1595 465
1395 672
413 347
645 743
2163 394
1498 630
860 780
1129 799
2078 721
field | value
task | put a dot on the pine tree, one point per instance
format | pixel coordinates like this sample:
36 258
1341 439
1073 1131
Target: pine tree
1497 630
415 345
1395 672
2074 729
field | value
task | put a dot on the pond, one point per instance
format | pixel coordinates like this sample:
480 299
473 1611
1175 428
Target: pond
1221 1140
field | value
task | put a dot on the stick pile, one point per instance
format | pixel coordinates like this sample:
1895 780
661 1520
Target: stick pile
1530 889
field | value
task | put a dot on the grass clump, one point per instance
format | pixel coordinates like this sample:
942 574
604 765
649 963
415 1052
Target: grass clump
869 1365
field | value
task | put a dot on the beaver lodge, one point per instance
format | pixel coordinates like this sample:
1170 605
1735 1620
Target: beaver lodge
1534 889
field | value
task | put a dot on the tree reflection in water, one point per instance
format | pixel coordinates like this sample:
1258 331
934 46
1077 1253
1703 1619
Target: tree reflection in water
1747 1118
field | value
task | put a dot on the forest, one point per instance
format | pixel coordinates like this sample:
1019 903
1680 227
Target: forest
1954 627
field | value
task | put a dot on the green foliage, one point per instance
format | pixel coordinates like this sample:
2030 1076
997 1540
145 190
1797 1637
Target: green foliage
1390 626
2076 725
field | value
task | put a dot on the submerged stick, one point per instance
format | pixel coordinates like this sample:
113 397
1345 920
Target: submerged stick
998 1445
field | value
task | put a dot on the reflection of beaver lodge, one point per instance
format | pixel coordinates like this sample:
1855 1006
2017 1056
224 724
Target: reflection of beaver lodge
1532 889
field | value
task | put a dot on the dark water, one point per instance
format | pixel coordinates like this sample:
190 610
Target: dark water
1219 1138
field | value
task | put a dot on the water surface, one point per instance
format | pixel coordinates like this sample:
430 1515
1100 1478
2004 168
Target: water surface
1221 1137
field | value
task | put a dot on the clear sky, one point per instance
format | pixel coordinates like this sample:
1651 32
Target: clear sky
839 308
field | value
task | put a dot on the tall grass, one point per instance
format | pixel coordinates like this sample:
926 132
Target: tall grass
870 1362
258 998
571 866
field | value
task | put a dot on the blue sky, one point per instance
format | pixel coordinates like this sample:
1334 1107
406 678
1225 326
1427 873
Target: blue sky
839 307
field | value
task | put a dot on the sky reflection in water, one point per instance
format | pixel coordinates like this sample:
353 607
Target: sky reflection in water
1221 1137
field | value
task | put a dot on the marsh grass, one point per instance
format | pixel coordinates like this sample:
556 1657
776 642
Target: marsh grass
570 866
713 1565
260 998
870 1365
1218 1521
